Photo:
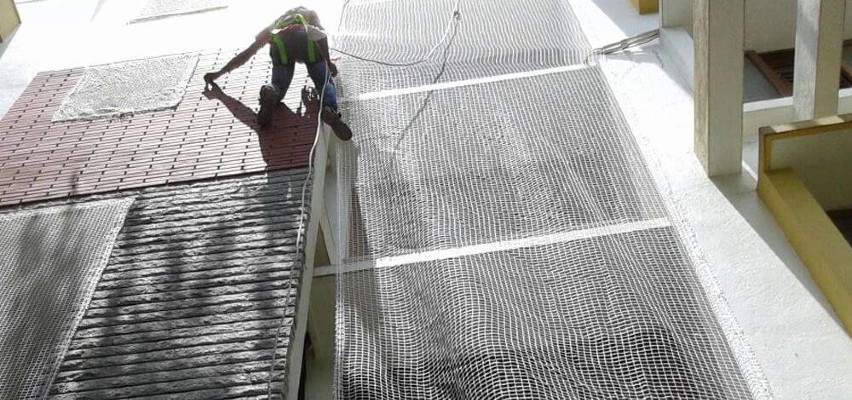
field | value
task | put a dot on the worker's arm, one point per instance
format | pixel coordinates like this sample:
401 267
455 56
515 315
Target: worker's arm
259 41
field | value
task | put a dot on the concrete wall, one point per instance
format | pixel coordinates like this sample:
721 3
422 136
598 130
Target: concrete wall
822 162
770 24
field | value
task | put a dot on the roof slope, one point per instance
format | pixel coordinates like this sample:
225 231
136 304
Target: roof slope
193 293
209 134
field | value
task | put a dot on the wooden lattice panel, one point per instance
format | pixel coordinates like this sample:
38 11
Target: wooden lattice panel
778 69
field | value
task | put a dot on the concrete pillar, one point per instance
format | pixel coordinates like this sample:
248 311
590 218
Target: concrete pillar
718 36
819 46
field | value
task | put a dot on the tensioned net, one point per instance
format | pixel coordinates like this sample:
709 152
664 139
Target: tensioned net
50 261
505 239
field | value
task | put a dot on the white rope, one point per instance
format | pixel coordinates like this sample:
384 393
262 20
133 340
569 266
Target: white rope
301 227
455 18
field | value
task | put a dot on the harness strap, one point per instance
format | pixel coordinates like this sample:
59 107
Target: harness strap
282 52
312 55
284 22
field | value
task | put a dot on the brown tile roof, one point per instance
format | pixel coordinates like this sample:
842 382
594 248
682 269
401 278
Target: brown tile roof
210 134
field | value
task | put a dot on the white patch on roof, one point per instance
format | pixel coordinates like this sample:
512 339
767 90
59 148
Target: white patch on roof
156 9
128 87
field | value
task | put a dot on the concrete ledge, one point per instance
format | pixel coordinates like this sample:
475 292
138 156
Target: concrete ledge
820 245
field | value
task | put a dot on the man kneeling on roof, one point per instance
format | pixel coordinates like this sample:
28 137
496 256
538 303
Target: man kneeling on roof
296 36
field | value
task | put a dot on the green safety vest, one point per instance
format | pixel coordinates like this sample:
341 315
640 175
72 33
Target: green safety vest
284 22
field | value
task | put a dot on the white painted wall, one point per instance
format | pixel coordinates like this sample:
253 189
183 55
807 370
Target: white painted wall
770 24
676 13
822 162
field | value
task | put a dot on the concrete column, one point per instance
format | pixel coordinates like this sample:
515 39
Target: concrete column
718 36
819 46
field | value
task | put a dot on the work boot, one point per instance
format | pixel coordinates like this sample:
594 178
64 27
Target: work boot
268 100
332 118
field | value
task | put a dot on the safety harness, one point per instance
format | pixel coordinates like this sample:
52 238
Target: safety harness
285 21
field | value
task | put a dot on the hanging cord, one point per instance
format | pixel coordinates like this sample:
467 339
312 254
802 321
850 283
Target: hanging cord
299 235
622 45
454 19
456 16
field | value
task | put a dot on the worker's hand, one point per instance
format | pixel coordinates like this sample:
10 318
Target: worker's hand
332 68
210 77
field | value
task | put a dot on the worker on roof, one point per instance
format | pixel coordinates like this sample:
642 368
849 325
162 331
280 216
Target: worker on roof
296 36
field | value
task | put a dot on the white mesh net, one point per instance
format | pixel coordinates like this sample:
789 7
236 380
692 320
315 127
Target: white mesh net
128 87
505 239
50 261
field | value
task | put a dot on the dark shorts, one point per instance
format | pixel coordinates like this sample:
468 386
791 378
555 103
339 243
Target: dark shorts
295 44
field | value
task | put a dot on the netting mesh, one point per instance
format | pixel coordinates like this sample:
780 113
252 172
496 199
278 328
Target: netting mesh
565 321
474 167
562 276
491 38
50 262
113 90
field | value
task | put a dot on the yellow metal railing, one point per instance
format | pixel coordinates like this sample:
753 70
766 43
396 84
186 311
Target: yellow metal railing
818 242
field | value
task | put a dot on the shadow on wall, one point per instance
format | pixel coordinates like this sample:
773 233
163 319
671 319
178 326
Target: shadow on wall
276 140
